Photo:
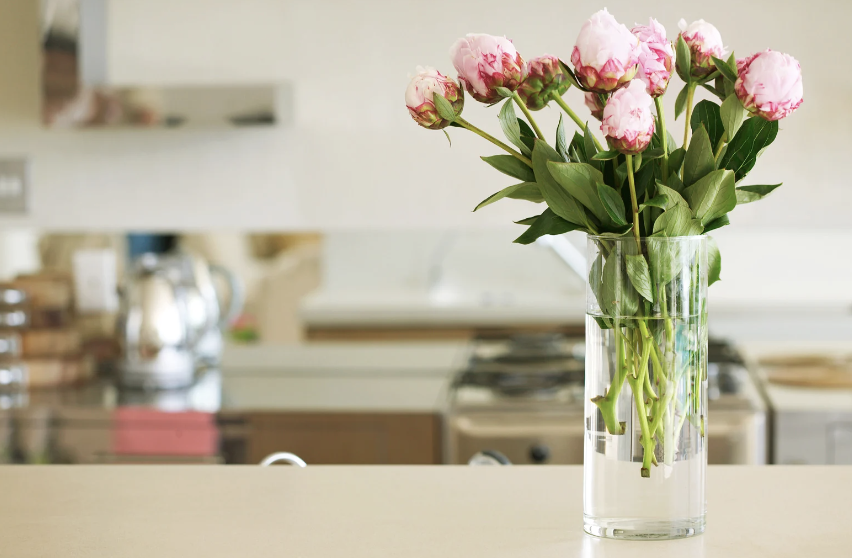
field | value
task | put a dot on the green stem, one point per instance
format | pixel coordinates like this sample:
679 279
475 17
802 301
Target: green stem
720 145
647 441
690 94
527 113
664 136
633 201
468 126
582 125
607 403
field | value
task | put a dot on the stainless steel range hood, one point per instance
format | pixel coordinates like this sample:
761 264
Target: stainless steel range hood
77 91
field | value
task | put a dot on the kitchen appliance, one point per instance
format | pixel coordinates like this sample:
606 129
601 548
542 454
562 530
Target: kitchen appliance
523 397
811 401
170 321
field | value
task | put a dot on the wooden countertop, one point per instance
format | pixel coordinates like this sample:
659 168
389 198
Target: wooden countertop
404 512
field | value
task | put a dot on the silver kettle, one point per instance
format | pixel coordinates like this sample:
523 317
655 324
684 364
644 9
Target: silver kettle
169 321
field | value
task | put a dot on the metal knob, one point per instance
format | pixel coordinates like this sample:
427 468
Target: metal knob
539 453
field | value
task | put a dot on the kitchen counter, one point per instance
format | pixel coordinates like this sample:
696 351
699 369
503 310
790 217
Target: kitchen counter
324 512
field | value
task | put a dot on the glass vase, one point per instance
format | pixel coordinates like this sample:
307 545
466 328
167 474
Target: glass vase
646 387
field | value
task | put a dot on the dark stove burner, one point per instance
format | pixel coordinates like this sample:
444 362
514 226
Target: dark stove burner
517 383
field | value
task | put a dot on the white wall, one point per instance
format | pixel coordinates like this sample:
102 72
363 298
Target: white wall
354 159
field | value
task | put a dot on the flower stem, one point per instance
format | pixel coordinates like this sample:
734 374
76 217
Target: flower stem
690 94
720 145
664 136
468 126
561 102
527 113
633 201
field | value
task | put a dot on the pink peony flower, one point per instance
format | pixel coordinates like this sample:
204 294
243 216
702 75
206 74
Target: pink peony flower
606 54
703 41
593 103
655 59
769 84
544 79
418 97
485 62
627 121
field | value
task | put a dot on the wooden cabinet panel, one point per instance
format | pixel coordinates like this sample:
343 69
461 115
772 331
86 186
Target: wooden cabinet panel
346 438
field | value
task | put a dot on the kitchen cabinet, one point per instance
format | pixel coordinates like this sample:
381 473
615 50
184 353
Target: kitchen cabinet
346 438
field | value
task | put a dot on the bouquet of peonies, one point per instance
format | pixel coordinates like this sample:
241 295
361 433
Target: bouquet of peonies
639 183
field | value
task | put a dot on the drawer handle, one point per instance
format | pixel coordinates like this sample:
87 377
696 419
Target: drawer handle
287 457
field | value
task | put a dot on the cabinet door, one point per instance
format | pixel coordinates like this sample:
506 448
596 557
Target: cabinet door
346 438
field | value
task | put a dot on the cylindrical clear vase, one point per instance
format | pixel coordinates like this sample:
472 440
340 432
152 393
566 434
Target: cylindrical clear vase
646 387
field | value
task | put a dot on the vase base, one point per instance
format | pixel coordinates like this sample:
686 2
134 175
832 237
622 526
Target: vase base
642 529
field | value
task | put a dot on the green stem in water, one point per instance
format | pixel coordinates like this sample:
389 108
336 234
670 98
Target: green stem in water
661 116
647 440
607 403
468 126
527 113
633 201
690 94
582 125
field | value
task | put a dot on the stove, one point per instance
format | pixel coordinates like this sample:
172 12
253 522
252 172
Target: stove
522 397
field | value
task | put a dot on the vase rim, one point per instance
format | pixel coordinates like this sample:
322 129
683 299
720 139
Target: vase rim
646 238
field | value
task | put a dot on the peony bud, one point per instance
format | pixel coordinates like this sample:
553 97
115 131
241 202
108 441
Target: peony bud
544 79
655 59
485 62
418 97
769 84
703 41
594 104
606 54
628 122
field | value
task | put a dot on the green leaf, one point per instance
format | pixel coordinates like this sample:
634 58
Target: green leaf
508 164
589 144
699 161
618 297
676 160
578 149
712 196
572 79
443 106
748 194
605 155
503 92
636 162
528 221
640 275
511 129
596 278
714 261
651 154
673 222
683 62
674 183
557 197
660 201
673 196
580 180
561 142
522 191
612 203
732 115
546 223
664 258
448 137
680 102
717 223
755 135
726 70
707 113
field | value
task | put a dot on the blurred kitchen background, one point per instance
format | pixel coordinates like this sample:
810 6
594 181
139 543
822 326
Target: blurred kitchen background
221 237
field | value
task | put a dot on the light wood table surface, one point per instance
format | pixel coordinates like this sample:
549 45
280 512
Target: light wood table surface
395 512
